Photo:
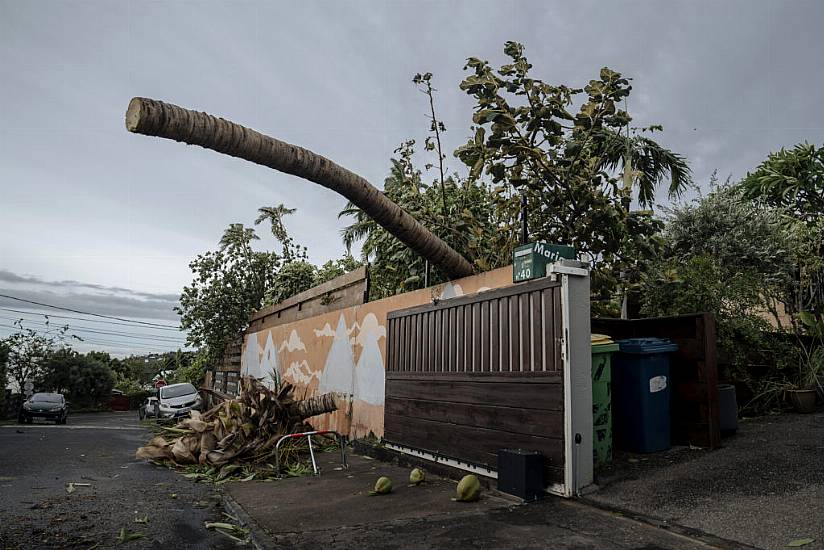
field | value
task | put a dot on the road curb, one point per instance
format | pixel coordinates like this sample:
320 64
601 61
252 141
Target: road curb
675 528
259 538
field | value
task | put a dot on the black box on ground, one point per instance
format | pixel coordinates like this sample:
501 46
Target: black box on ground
521 473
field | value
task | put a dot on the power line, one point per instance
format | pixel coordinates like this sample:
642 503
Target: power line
85 312
128 324
75 328
134 345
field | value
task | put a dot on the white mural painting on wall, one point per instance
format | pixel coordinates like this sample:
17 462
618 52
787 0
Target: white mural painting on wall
250 360
262 366
294 343
369 372
340 363
299 373
451 291
325 331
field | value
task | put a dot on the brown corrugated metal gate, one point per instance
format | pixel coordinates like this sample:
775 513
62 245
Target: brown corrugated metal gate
470 375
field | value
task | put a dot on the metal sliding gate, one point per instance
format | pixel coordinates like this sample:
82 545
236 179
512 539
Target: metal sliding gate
470 375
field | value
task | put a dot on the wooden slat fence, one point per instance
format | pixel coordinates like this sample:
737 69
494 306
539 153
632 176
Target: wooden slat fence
470 375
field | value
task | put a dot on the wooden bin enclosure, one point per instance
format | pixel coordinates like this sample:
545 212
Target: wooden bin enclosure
470 375
693 371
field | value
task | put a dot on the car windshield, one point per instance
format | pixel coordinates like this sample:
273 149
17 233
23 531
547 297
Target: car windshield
177 390
47 397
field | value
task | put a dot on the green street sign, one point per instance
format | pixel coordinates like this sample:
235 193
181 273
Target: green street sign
530 260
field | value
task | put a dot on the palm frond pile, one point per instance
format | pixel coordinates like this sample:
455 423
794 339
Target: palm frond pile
238 433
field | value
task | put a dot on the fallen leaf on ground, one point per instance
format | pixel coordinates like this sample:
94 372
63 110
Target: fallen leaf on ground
800 542
71 486
127 536
144 519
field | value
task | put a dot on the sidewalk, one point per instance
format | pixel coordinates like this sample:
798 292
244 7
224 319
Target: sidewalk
334 511
764 488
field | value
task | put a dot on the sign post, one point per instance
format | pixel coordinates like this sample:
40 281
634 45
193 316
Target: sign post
530 260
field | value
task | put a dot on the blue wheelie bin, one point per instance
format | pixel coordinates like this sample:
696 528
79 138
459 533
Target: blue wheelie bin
641 394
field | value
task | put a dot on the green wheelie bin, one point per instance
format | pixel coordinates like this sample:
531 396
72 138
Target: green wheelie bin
602 349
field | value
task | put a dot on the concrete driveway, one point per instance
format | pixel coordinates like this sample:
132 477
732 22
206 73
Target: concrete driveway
37 461
765 488
335 511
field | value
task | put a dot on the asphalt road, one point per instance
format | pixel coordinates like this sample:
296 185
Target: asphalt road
36 511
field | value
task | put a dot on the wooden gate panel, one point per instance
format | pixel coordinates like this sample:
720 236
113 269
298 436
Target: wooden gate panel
470 375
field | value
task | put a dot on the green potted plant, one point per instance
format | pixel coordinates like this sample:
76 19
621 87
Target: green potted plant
802 395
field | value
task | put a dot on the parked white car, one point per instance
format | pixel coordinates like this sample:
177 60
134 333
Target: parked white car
172 401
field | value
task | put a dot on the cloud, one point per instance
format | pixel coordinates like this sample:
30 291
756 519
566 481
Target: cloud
105 300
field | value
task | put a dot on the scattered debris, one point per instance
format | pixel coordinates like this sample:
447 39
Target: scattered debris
144 519
382 487
237 437
71 486
127 536
235 532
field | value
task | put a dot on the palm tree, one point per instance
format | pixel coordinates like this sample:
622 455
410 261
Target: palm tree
643 162
239 236
275 216
156 118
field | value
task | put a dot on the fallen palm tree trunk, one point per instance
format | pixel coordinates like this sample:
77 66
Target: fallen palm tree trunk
237 432
156 118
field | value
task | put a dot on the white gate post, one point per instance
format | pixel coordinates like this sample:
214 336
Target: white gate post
576 353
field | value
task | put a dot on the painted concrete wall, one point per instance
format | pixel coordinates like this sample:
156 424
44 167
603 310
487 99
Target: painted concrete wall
343 351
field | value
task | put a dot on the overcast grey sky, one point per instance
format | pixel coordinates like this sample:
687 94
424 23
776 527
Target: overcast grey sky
87 205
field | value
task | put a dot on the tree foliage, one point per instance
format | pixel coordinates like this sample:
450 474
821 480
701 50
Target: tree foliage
469 224
229 284
727 256
235 280
85 380
793 180
28 350
580 169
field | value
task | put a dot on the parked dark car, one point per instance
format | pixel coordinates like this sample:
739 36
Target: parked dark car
51 406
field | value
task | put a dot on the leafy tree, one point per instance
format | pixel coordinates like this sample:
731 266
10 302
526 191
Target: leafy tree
293 278
793 180
84 379
462 213
235 280
28 350
191 368
229 284
471 227
274 215
335 268
580 170
724 255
